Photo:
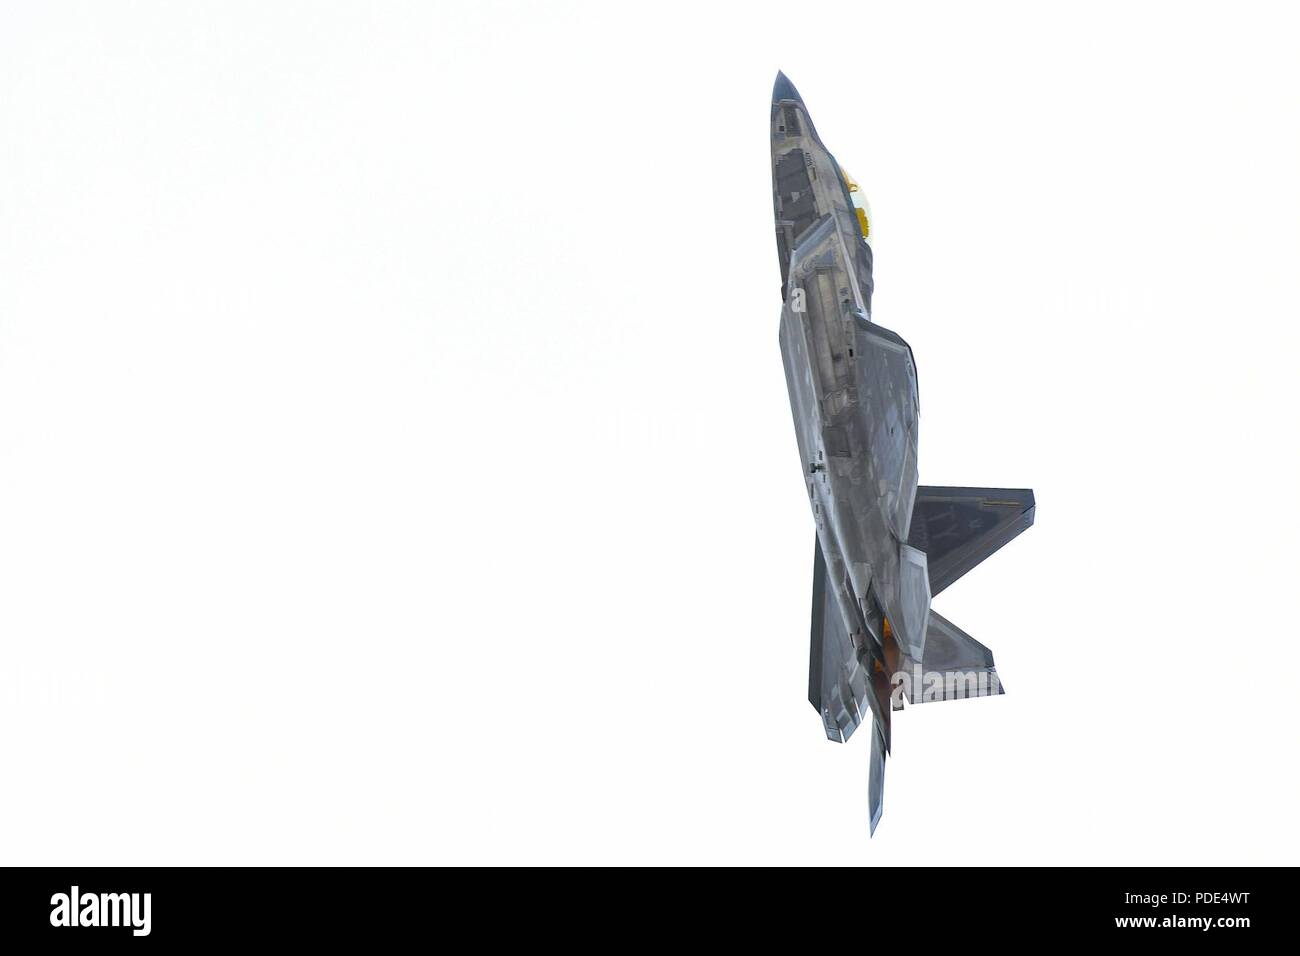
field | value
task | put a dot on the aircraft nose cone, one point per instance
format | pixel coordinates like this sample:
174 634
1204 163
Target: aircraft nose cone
783 89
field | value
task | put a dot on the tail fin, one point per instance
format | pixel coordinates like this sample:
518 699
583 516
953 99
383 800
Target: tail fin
957 528
876 776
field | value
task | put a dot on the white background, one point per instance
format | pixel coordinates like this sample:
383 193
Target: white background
396 465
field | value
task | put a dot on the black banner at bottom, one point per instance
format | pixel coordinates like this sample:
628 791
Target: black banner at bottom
917 907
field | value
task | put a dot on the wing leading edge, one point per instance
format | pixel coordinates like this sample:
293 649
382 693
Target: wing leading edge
958 528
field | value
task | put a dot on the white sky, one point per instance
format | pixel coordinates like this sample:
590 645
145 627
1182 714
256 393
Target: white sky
396 465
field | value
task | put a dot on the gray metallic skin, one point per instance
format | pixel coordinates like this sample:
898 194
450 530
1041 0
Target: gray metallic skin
884 545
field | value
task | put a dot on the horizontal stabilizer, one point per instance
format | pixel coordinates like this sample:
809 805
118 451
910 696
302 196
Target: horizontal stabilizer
847 682
955 666
837 684
957 528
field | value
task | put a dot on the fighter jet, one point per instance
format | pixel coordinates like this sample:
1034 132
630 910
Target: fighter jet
884 545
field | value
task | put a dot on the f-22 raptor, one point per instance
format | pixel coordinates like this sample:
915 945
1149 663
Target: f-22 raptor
884 545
